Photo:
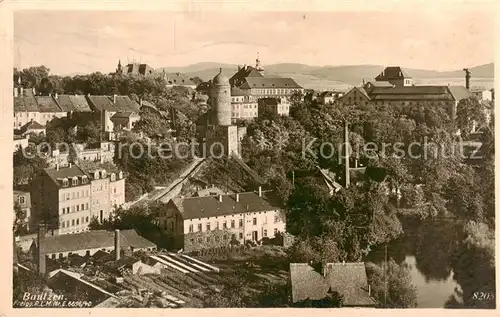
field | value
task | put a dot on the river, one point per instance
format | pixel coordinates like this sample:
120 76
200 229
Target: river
427 250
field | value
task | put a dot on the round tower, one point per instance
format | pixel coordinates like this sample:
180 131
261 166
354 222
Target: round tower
220 93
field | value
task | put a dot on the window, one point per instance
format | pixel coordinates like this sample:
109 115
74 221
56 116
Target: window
241 223
77 207
21 200
65 183
217 225
254 221
208 226
199 239
84 179
87 219
200 227
53 256
191 228
240 235
232 224
82 207
77 221
72 222
74 181
265 233
63 224
224 224
87 205
113 177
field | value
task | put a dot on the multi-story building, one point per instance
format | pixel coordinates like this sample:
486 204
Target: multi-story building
66 198
30 107
23 199
243 106
273 105
215 221
394 87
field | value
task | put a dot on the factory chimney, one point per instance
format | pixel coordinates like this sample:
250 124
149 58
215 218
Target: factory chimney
260 191
467 78
346 154
42 230
117 244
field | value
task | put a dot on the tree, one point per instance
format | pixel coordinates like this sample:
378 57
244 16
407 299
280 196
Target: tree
470 112
400 292
19 226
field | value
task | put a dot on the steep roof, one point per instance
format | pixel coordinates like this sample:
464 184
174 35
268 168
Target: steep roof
392 72
348 279
239 77
73 103
47 104
94 239
269 82
99 103
210 206
235 91
26 102
32 125
459 92
65 172
178 79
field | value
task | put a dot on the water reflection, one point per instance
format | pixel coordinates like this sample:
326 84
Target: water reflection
427 249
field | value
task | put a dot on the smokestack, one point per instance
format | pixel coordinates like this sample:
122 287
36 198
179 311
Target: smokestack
117 244
260 191
467 78
220 198
346 154
42 229
237 197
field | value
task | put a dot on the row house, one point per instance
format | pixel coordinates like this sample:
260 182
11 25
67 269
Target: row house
214 221
23 199
243 106
28 107
275 106
66 198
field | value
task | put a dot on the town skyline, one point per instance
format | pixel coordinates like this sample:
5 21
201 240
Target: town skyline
94 41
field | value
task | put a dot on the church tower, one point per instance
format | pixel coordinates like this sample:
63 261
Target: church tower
220 93
119 69
258 66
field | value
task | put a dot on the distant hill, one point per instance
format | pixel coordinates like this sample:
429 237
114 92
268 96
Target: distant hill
337 77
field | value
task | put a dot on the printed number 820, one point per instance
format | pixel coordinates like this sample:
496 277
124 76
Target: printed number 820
483 296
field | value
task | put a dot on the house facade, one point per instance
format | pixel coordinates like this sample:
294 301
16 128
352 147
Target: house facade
23 199
215 221
66 198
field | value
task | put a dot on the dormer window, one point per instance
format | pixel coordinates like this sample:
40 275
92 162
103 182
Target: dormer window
74 181
103 174
96 175
113 177
84 179
120 175
65 182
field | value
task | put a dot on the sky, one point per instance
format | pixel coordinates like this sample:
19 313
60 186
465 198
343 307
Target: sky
70 42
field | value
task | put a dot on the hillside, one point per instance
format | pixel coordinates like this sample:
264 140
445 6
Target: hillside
338 77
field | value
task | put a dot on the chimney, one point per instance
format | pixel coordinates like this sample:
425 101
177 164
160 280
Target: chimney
16 92
467 78
42 229
260 191
117 244
70 165
220 198
57 166
237 197
56 95
369 290
346 154
114 98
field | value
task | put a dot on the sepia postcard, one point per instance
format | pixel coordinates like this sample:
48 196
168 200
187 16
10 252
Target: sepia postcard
219 155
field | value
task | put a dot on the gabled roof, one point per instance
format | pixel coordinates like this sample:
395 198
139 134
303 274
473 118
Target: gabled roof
47 104
210 206
99 103
94 239
239 77
348 279
124 103
178 79
392 72
269 82
459 92
32 125
73 103
361 90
